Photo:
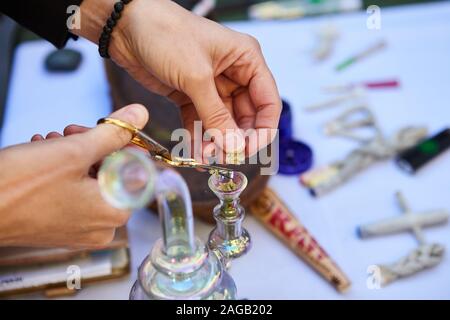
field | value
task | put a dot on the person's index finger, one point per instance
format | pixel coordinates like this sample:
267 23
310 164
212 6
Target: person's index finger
74 129
216 118
106 138
266 99
211 109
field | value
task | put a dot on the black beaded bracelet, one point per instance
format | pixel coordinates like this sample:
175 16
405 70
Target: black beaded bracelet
105 37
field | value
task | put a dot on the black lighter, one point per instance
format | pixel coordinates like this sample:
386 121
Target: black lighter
416 157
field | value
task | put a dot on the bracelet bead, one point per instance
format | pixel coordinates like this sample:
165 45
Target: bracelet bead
111 22
115 15
118 6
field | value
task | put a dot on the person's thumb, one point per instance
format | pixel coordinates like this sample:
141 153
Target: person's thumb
105 138
216 118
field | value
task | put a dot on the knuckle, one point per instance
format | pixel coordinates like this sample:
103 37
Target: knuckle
122 135
200 76
113 217
252 41
73 150
217 117
121 218
110 217
102 238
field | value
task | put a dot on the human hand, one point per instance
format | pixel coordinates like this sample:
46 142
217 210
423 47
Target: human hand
214 74
48 196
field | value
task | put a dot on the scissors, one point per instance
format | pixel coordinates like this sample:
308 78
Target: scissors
161 153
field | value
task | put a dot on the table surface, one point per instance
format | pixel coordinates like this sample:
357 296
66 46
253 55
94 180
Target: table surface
417 54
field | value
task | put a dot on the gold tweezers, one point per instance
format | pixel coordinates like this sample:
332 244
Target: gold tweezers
159 152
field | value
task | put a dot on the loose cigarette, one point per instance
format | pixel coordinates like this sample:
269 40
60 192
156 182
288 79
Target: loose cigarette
329 103
403 223
354 94
346 63
277 218
314 177
384 84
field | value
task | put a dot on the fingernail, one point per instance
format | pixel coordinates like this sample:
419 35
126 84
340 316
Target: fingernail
136 114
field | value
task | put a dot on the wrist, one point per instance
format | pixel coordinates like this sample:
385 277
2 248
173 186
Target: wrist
143 24
93 16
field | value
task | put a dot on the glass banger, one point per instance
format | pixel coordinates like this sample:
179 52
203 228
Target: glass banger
229 239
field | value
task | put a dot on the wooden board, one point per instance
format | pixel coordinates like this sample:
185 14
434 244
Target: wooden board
23 256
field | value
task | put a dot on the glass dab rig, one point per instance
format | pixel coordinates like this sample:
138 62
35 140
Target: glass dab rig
179 266
228 239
